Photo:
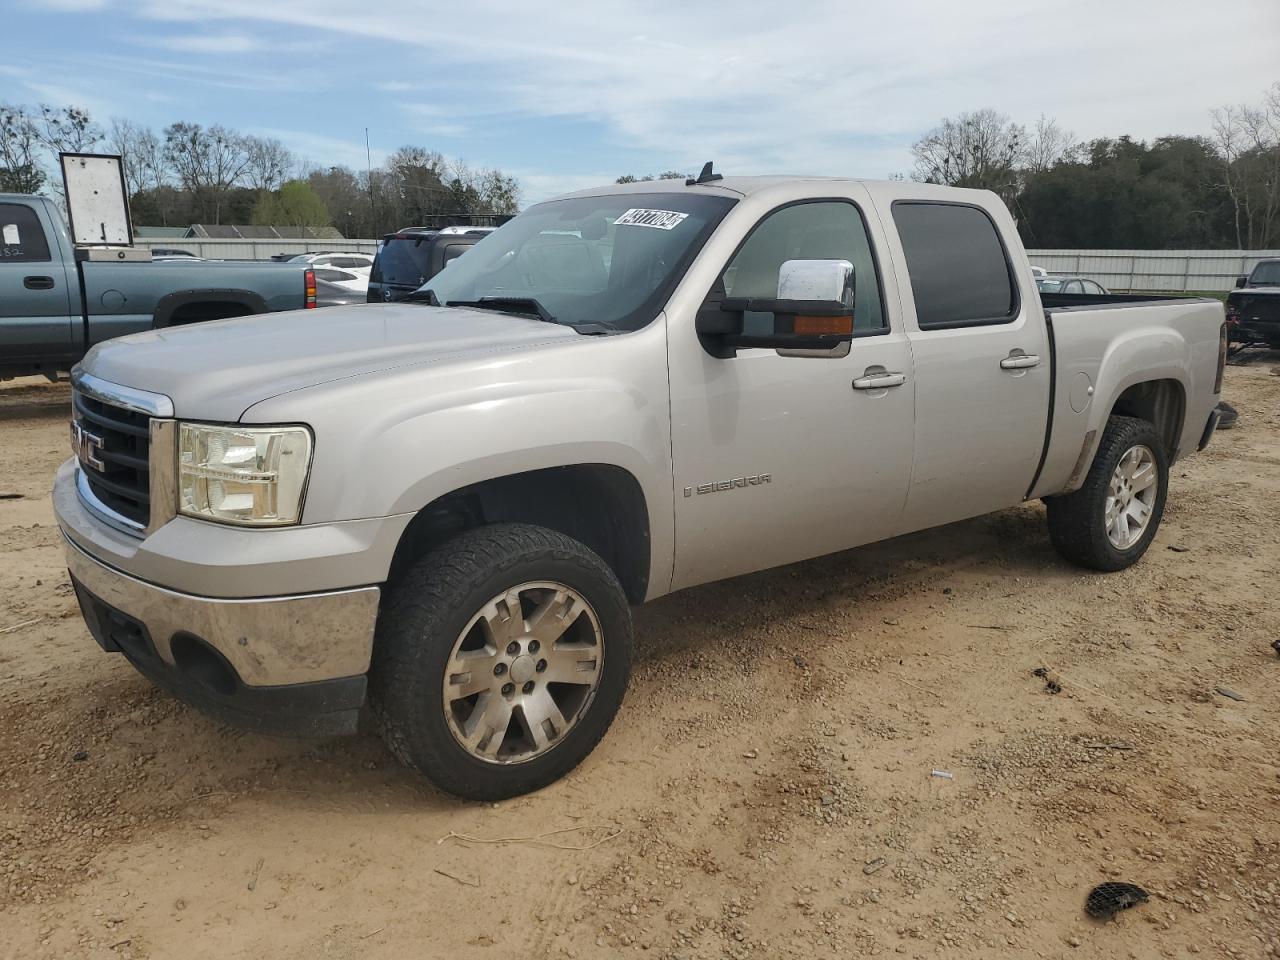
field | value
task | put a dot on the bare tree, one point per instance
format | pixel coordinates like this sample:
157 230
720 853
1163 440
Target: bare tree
68 129
268 163
1228 139
20 170
981 149
208 162
1247 138
141 153
1048 145
498 192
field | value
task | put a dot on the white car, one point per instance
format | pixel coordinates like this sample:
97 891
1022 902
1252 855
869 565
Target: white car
346 279
358 263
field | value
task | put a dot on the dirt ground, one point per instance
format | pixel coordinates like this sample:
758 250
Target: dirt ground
767 788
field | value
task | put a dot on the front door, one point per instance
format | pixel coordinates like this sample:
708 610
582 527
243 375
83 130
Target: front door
36 320
779 458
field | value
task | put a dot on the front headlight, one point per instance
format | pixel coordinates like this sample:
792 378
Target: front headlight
253 476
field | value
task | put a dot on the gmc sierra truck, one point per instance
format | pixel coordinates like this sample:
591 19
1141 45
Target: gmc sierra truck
447 506
55 305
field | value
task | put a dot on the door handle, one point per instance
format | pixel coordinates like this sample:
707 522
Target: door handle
1020 361
38 283
879 381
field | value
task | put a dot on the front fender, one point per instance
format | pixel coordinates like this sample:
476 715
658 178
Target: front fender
395 441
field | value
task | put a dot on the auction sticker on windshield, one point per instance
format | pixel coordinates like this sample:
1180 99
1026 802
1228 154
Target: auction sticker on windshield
660 219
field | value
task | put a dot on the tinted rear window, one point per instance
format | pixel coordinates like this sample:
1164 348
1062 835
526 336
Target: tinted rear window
1266 274
404 261
21 236
959 270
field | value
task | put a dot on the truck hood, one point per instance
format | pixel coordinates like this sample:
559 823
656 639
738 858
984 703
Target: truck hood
217 370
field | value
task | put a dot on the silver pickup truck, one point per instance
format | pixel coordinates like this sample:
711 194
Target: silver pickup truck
447 506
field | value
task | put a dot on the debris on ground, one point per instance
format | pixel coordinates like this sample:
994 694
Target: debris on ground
1178 549
1228 693
1107 899
943 774
11 496
1051 682
873 865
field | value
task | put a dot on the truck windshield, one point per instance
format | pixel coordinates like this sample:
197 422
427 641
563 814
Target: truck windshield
1266 274
608 260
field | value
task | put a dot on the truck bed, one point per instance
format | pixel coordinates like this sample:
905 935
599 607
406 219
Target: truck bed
152 288
1116 333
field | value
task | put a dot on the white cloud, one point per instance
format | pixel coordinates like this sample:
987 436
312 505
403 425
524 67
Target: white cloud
207 43
333 151
768 87
817 86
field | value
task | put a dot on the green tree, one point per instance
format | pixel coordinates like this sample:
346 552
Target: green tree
295 204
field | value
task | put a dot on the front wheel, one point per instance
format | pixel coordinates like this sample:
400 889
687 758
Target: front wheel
1111 520
500 660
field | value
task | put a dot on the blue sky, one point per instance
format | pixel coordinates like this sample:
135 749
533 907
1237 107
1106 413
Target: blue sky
564 94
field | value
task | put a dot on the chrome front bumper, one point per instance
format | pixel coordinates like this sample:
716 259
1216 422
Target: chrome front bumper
269 641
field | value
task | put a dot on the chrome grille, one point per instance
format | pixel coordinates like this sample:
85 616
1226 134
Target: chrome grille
112 444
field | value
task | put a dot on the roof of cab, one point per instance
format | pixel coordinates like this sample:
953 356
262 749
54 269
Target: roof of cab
743 186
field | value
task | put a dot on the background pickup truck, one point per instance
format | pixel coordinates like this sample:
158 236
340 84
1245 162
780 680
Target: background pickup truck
450 503
54 306
1253 308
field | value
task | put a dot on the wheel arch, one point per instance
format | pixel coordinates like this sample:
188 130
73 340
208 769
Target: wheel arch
212 301
1161 402
600 505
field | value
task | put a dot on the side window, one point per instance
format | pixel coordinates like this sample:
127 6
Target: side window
1075 286
1093 288
819 230
960 275
22 239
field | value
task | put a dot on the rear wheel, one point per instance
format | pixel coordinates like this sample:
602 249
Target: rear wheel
1109 523
501 660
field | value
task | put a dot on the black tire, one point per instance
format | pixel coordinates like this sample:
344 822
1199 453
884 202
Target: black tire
1077 524
425 610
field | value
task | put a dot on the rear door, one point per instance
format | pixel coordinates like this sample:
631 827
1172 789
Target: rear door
39 309
982 365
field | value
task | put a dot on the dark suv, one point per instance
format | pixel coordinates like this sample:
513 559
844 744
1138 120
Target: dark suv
410 257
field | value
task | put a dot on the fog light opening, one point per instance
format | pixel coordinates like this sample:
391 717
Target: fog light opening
203 664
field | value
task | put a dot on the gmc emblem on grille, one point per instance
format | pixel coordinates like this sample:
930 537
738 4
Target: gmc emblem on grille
86 446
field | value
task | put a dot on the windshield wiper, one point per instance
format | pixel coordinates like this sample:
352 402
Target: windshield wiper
528 306
427 296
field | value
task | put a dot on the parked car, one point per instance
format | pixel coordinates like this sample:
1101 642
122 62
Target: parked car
447 506
1071 285
331 295
347 280
55 305
1253 308
356 262
410 257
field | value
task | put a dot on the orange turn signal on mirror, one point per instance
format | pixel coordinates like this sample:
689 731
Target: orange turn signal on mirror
817 326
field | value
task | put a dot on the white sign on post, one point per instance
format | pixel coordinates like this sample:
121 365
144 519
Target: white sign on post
96 201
